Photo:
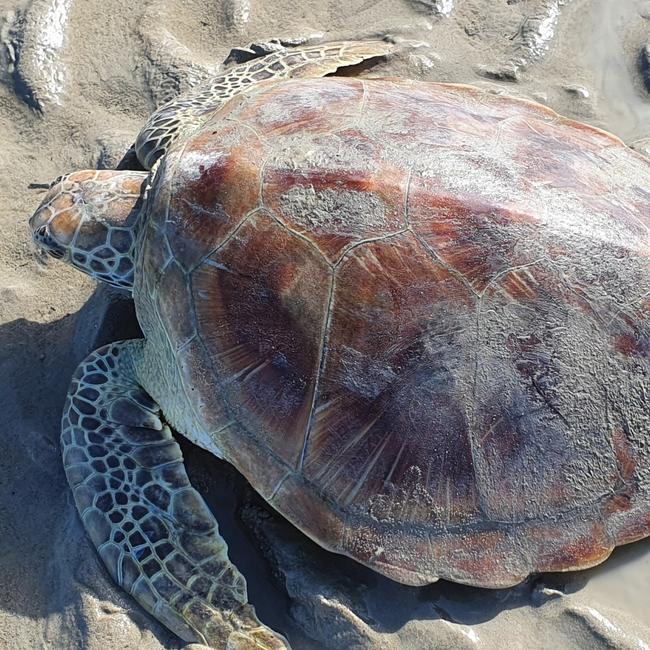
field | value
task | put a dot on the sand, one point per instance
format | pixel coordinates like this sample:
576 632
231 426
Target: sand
78 79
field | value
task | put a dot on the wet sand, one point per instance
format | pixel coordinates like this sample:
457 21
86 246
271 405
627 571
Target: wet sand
78 80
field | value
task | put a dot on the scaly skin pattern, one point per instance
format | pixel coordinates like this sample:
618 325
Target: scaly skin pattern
152 530
177 118
88 219
416 317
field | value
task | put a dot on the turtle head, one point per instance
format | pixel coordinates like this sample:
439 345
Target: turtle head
88 219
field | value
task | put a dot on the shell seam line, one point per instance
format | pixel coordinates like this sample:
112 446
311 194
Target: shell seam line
321 366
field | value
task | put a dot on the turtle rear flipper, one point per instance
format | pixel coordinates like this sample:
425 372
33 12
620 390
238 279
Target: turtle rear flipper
190 110
152 530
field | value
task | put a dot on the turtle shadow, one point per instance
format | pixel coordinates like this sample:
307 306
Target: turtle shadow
46 559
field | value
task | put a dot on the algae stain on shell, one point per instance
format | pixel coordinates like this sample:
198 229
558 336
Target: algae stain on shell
342 212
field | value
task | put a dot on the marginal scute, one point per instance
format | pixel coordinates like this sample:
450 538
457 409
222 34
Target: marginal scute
174 304
584 543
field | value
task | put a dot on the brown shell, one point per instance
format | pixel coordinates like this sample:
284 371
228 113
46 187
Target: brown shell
416 316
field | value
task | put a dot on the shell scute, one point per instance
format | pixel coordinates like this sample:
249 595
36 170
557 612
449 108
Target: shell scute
390 410
336 209
215 185
244 295
476 238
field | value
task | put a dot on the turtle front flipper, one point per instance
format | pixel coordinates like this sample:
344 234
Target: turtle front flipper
151 528
191 109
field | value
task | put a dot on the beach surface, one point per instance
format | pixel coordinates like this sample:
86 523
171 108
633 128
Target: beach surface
78 79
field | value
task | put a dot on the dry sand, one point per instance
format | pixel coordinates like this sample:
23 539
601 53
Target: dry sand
78 79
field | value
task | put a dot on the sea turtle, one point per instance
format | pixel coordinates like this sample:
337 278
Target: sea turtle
415 316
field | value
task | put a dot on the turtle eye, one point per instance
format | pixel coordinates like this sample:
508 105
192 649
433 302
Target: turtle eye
51 246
